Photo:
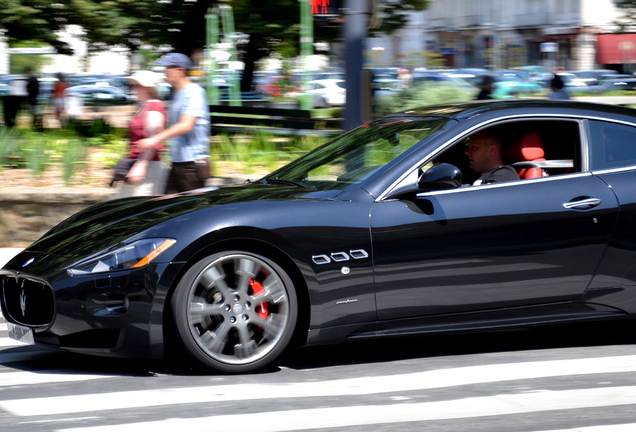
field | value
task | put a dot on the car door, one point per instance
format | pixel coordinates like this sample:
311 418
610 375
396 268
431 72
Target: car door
493 246
613 158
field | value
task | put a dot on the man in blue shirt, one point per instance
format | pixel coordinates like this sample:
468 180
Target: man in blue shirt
188 130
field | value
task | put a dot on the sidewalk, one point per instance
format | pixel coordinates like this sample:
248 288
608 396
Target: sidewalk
6 254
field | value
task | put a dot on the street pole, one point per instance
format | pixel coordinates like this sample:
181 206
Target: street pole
227 16
355 32
306 49
212 41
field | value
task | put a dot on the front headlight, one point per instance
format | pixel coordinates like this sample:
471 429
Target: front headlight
134 255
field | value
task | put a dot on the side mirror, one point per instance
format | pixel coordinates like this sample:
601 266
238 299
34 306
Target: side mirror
440 177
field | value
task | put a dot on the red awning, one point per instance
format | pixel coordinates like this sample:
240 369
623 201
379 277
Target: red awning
616 48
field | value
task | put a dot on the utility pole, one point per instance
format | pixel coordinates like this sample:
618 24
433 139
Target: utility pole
306 49
227 18
355 33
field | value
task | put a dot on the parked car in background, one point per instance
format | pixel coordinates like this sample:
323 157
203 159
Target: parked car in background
595 77
511 75
474 76
388 72
441 78
619 84
386 86
327 93
99 95
573 83
46 89
511 84
99 80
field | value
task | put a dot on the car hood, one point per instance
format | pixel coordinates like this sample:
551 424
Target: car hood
110 223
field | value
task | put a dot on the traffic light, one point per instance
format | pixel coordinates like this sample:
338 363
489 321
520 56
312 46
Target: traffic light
325 7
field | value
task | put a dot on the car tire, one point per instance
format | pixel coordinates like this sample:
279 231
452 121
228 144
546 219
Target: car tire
234 311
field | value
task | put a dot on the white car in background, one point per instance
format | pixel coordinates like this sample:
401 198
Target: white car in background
328 92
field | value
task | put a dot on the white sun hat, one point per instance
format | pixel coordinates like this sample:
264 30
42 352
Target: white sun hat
144 78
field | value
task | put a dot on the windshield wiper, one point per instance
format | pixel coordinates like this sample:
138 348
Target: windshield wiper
286 182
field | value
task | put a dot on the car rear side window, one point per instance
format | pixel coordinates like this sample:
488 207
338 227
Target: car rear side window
613 145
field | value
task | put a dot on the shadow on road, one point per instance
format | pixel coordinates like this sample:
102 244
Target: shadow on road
539 338
361 352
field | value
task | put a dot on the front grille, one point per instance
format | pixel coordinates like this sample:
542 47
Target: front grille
27 301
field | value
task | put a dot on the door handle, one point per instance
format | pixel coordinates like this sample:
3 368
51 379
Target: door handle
587 202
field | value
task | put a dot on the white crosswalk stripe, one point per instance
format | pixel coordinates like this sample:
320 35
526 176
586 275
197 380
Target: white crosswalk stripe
372 415
69 400
348 387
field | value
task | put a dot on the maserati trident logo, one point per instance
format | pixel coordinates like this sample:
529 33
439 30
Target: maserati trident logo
23 302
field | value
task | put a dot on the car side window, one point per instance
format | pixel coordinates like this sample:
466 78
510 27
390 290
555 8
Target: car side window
534 148
613 145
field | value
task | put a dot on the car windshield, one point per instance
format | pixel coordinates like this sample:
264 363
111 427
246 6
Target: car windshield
354 156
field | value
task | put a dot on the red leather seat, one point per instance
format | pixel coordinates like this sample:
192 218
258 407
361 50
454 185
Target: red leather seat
527 148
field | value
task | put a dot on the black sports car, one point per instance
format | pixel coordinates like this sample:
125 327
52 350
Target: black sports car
378 233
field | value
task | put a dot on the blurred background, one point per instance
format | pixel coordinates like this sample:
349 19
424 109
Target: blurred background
343 61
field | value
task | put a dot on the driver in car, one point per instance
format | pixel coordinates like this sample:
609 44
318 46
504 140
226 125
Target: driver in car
484 156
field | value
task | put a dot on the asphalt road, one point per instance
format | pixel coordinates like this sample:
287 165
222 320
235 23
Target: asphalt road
565 378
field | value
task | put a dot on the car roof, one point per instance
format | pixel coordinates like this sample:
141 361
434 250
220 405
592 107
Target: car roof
471 109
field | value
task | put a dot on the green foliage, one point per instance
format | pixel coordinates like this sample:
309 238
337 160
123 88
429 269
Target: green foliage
626 22
423 95
335 112
73 159
261 152
230 150
395 14
434 60
112 148
89 128
273 25
21 63
149 56
61 149
8 146
37 151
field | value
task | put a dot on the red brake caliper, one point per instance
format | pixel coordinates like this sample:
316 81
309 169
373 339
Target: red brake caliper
262 309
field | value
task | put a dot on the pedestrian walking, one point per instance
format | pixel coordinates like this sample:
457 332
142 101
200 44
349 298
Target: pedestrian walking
188 131
558 92
59 89
487 87
146 175
33 91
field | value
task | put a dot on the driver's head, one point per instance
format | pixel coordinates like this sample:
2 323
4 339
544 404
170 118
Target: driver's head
484 152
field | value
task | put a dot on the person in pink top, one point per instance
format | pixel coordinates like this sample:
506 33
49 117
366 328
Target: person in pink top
147 175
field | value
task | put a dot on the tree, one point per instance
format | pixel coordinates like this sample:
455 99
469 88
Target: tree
627 21
272 25
394 13
40 20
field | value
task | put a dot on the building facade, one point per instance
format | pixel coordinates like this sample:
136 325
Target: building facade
495 34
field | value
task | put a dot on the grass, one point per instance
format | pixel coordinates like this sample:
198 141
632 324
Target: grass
258 152
76 158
